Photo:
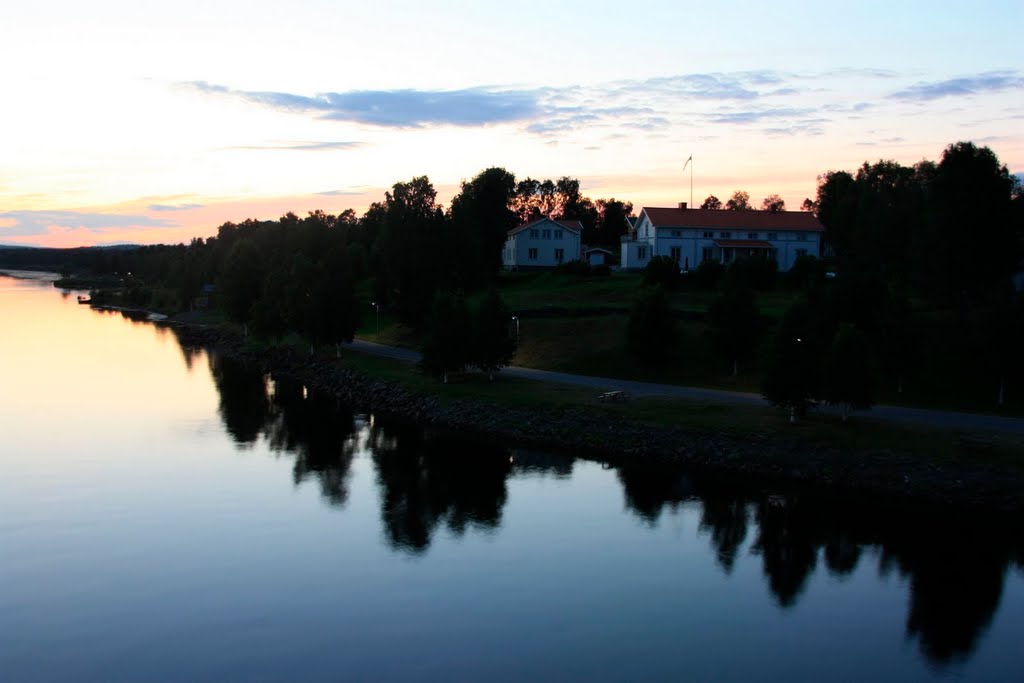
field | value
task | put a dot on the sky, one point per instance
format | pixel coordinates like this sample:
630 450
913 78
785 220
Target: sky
150 122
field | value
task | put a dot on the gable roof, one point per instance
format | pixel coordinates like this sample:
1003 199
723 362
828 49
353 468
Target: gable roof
734 220
574 226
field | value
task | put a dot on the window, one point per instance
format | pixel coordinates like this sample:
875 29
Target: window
677 233
708 235
773 235
801 252
802 236
558 234
725 235
559 255
676 253
751 235
641 253
532 254
534 233
546 234
706 254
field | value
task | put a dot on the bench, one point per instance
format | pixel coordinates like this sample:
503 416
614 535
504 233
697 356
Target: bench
613 396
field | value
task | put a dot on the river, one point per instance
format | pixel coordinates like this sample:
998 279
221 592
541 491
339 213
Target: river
168 515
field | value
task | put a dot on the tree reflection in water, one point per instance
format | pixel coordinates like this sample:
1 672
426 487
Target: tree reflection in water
955 569
428 480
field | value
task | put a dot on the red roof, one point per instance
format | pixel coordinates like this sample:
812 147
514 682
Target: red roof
733 220
753 244
574 226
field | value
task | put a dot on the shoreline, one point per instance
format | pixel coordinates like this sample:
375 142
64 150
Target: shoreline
883 475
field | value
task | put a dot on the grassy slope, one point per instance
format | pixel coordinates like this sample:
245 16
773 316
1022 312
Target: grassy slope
595 344
825 431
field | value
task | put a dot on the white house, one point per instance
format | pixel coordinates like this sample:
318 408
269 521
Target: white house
544 243
692 236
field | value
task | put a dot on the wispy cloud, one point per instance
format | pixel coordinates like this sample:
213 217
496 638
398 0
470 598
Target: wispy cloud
757 115
352 192
399 108
988 82
301 146
43 222
173 207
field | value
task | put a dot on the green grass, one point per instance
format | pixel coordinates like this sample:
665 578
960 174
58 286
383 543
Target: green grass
858 435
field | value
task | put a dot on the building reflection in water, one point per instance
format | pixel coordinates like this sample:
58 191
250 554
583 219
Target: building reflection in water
428 480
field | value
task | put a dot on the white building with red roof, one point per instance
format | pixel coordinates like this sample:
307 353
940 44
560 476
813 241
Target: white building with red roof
692 236
543 243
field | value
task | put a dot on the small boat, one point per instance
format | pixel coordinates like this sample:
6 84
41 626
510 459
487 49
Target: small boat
83 299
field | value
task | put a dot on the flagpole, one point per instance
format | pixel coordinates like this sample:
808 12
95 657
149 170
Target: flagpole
689 162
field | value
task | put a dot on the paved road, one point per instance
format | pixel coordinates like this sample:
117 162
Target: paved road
944 419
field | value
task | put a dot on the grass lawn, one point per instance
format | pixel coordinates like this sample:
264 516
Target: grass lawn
826 431
594 344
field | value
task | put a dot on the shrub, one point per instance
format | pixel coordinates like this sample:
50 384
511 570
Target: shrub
708 275
601 270
662 271
807 273
575 267
651 329
754 272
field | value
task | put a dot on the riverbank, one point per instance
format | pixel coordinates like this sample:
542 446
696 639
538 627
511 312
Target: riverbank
614 434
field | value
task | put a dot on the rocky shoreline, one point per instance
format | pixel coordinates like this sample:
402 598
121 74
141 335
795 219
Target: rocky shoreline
887 476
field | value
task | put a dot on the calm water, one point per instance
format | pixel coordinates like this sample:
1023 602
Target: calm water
167 515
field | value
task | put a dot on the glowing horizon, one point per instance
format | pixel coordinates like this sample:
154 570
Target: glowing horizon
124 132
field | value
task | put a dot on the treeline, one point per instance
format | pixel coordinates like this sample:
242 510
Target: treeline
406 252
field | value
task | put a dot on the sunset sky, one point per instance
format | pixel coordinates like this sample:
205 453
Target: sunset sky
144 122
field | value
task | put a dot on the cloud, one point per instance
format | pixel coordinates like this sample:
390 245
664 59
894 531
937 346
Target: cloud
399 108
988 82
549 111
342 193
173 207
42 222
302 146
756 115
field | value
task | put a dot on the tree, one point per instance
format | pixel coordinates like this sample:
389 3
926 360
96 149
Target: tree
712 202
651 329
413 251
791 366
446 347
808 205
736 322
740 201
481 217
773 203
493 345
850 378
972 243
611 221
240 281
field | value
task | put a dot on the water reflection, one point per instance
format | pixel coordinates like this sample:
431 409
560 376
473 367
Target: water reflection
431 480
427 481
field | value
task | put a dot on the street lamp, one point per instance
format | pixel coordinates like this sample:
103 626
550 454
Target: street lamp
516 319
376 307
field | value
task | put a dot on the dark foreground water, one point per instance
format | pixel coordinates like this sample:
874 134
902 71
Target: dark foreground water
166 515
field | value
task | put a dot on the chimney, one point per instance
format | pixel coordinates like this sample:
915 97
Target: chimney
682 206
